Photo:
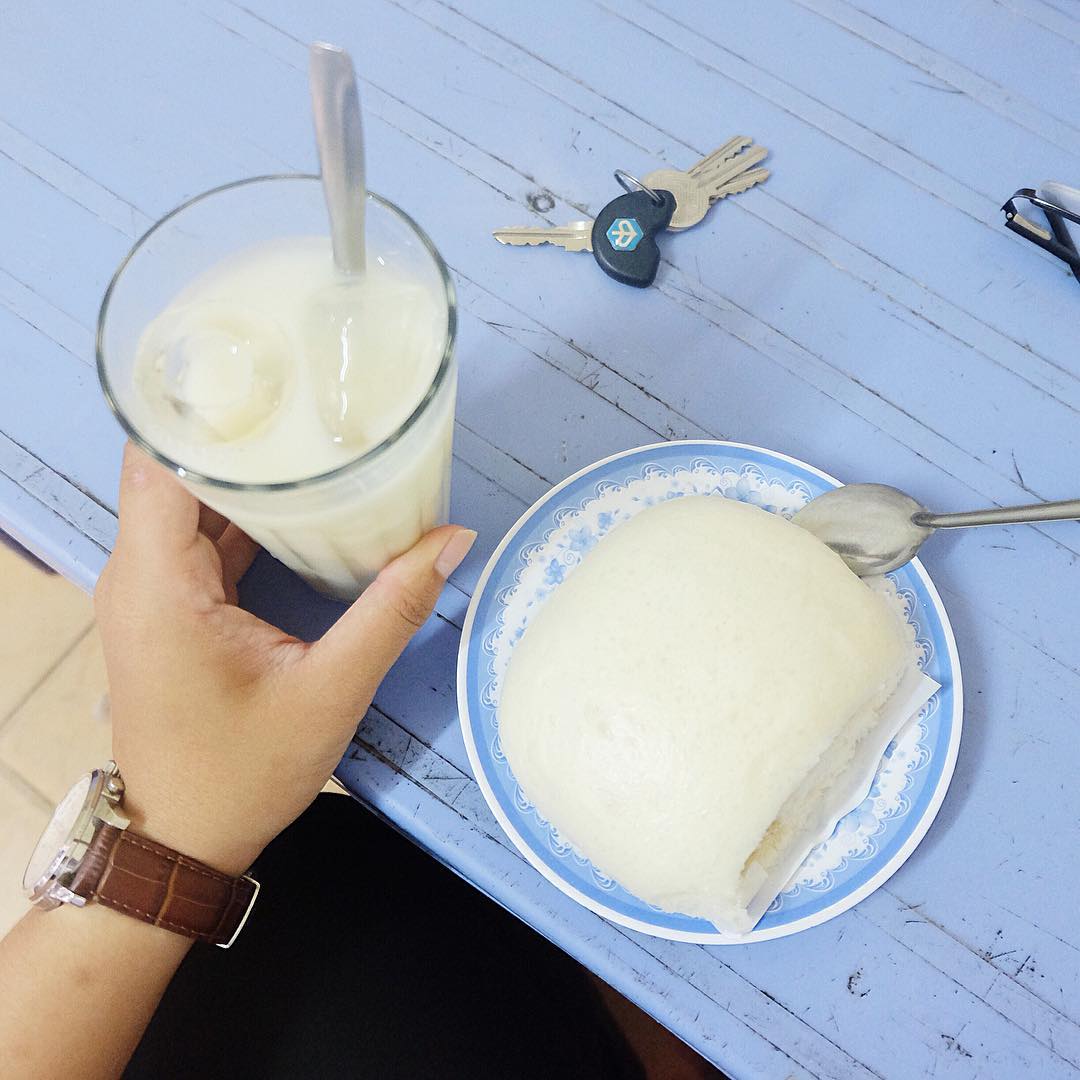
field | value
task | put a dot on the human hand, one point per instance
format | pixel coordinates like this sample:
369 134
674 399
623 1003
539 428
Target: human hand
224 727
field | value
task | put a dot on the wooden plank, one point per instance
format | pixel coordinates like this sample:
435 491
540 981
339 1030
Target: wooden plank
47 396
1008 56
47 531
911 257
745 87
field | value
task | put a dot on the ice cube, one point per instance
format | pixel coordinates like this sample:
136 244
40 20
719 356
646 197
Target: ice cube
366 342
221 369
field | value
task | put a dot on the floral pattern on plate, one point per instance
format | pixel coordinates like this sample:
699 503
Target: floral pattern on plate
542 551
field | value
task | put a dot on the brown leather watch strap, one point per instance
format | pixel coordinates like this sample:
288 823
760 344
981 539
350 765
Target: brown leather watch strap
151 882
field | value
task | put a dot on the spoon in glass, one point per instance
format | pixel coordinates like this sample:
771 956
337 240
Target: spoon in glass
339 137
875 528
339 316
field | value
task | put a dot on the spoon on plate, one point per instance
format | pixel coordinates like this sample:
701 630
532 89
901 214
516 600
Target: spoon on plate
875 528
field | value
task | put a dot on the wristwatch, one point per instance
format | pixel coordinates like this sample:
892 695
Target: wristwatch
88 853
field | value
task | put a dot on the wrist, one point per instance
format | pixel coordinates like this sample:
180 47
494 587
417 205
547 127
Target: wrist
99 922
189 835
99 848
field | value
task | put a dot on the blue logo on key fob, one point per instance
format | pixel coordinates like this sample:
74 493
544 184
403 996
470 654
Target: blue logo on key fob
625 234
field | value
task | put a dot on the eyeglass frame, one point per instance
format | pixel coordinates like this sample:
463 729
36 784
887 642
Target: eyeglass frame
1056 240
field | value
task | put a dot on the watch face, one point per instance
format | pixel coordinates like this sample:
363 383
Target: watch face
56 833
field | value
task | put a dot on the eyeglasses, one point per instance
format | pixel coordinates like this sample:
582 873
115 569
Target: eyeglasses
1056 239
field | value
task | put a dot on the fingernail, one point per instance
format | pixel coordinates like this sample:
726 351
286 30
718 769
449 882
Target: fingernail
457 547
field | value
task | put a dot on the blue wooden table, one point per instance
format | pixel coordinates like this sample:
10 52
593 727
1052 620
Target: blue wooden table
864 310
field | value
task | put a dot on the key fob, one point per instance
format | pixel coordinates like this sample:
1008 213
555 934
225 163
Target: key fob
624 236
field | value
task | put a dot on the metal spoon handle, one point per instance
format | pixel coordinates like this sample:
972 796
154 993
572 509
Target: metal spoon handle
1002 515
340 139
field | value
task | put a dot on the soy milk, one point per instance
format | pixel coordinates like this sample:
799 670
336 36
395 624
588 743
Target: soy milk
271 371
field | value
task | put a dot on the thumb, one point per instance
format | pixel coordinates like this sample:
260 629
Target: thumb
358 650
159 517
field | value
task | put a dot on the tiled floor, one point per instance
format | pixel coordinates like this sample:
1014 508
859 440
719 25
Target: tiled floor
51 683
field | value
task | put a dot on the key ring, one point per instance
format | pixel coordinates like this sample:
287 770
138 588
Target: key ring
630 184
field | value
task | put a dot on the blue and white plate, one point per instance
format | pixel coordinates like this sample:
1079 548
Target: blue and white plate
541 551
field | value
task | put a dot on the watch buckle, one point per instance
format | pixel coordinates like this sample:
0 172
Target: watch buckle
243 922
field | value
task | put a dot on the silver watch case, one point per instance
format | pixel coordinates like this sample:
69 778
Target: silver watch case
48 877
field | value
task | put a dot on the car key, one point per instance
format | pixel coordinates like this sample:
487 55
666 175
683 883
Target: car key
577 236
622 237
725 171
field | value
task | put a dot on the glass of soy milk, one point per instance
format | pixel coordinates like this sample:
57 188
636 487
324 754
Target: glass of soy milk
314 409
